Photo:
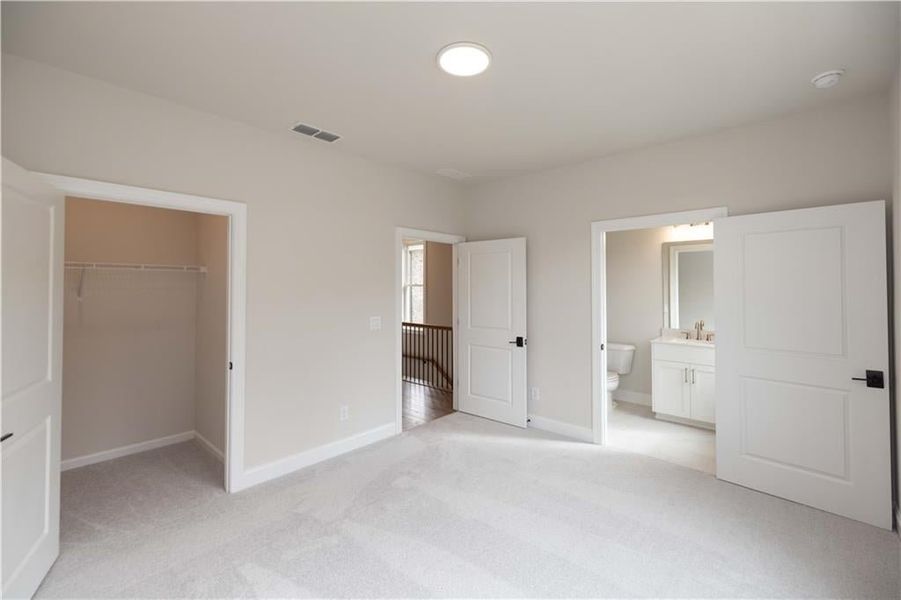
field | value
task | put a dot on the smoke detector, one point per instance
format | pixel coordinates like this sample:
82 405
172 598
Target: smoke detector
827 79
319 134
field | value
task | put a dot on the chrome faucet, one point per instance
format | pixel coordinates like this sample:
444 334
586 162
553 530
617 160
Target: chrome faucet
699 327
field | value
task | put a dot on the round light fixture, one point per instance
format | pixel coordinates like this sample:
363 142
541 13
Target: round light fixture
827 79
464 59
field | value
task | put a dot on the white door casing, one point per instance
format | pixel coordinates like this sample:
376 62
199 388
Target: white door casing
492 315
32 318
801 308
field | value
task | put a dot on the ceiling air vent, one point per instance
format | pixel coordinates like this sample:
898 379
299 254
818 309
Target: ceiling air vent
319 134
327 136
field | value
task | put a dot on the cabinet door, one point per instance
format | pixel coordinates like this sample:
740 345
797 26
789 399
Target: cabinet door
670 395
703 399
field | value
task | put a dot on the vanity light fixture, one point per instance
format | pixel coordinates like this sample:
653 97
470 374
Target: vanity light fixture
701 224
464 59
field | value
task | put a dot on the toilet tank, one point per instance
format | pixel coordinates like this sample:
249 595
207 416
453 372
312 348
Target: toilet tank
619 357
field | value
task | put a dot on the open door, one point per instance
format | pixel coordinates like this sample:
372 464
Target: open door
491 309
802 357
32 327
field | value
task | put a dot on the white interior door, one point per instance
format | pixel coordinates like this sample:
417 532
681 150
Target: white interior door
801 314
32 326
491 336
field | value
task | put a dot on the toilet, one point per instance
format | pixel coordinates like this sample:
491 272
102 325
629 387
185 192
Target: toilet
619 362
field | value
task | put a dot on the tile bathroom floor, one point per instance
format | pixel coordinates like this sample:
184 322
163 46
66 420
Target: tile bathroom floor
634 428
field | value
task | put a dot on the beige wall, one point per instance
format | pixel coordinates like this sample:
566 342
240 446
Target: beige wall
635 298
830 156
97 231
145 353
439 282
129 343
211 358
308 306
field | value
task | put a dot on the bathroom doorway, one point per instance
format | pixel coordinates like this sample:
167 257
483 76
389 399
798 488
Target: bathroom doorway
654 359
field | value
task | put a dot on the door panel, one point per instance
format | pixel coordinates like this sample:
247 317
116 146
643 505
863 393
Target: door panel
703 393
778 426
801 309
32 262
492 313
489 290
670 395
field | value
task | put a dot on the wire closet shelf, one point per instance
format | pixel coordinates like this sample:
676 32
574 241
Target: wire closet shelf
134 267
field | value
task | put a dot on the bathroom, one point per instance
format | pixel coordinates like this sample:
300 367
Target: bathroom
661 343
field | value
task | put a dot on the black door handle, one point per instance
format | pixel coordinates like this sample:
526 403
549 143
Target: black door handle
6 436
519 341
874 379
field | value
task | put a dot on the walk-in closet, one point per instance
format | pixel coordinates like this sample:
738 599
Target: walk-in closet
145 368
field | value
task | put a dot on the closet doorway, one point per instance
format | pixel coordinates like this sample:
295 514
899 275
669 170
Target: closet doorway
145 342
132 287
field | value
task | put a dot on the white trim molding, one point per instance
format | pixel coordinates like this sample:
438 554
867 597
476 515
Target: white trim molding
576 432
599 298
289 464
632 397
209 447
105 455
237 288
400 234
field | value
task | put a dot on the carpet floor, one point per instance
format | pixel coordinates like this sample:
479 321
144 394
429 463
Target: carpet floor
459 507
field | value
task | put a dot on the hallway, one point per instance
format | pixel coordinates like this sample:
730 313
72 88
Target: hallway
423 404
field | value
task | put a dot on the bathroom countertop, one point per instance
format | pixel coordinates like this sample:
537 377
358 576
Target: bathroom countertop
683 342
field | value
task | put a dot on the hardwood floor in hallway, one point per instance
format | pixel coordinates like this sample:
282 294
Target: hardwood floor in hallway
423 404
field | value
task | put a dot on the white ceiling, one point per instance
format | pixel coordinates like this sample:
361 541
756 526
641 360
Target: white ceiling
568 81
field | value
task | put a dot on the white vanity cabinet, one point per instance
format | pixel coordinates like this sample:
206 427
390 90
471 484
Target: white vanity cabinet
682 380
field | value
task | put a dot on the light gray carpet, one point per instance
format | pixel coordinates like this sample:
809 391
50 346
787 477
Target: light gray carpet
459 507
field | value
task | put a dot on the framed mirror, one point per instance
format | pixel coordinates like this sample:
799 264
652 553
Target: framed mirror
688 284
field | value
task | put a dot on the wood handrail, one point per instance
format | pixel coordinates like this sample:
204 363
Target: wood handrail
427 326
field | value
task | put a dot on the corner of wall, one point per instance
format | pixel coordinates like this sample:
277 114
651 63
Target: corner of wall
895 257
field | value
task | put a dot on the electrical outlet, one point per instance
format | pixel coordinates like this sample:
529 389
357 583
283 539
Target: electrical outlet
375 323
534 394
344 413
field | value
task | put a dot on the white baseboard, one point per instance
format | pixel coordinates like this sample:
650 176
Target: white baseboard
583 434
898 520
688 422
632 397
209 447
289 464
90 459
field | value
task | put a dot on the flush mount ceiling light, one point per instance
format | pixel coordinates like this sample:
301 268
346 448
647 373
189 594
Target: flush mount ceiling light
464 59
827 79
